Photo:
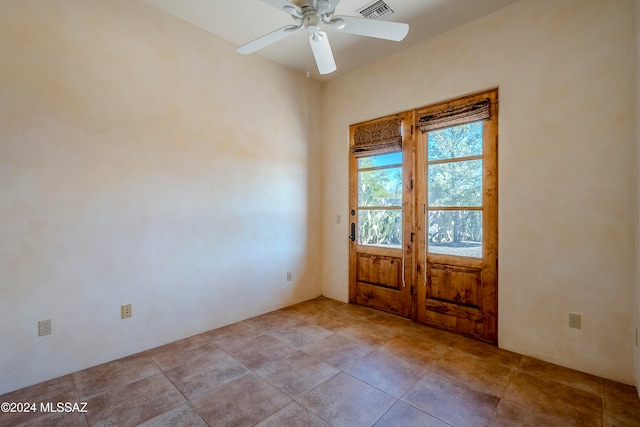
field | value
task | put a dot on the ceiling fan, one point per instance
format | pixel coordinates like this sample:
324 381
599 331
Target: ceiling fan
312 15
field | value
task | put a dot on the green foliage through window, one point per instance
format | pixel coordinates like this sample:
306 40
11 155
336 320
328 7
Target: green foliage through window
455 183
380 227
380 188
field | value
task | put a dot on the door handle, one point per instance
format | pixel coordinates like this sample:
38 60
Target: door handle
353 232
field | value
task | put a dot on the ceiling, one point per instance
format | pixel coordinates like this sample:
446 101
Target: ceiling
241 21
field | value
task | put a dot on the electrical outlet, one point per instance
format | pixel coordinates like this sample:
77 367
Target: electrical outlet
44 327
338 219
288 276
574 320
126 311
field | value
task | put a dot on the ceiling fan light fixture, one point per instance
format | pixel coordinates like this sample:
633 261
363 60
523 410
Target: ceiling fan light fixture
312 22
322 52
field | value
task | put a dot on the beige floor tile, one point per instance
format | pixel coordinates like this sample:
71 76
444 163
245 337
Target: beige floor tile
621 405
201 375
245 401
338 350
293 415
57 390
180 416
488 352
451 401
556 399
389 373
272 320
416 350
353 313
372 334
325 363
232 335
403 415
300 333
181 352
567 376
312 307
61 419
432 335
260 350
327 320
484 375
510 414
112 375
391 322
345 401
297 373
133 403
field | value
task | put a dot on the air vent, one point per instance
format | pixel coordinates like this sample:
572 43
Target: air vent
376 10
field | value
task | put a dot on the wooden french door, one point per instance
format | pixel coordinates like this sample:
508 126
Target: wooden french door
457 221
423 215
381 214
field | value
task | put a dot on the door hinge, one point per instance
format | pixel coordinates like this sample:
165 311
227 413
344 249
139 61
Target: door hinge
411 184
412 289
412 237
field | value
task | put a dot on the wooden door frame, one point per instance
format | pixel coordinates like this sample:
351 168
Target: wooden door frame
408 202
489 261
414 215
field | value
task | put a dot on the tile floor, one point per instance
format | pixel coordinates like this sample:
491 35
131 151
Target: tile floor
324 363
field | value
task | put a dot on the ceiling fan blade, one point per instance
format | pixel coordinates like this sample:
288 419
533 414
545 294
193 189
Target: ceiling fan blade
395 31
285 6
334 3
268 39
322 52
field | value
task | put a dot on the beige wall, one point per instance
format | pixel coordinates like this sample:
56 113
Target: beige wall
565 71
637 298
144 162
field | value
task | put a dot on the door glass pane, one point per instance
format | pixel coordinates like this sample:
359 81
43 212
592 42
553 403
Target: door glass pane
457 141
455 233
381 160
382 187
380 227
456 184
